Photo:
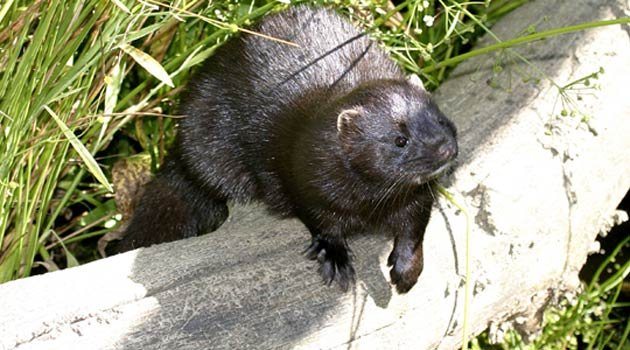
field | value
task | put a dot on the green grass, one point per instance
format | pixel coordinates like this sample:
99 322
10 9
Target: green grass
98 81
75 94
593 319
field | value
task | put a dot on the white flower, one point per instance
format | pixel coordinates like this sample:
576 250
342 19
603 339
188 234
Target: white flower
428 20
425 4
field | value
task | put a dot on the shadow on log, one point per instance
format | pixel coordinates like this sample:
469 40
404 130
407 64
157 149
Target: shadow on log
538 188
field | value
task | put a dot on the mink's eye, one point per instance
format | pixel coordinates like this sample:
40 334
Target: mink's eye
401 141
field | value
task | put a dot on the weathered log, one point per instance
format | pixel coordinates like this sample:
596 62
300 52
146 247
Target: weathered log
537 186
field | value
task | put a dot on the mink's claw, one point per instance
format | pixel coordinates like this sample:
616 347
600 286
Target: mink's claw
334 262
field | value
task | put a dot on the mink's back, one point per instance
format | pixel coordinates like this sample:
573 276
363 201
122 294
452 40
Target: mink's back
240 100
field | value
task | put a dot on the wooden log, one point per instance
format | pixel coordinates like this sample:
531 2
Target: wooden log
538 188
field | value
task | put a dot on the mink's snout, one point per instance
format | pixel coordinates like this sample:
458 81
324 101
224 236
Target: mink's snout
447 151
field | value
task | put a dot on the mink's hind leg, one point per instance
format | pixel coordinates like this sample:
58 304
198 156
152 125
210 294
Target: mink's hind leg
332 253
171 207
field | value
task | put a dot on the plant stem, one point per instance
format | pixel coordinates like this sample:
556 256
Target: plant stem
524 39
443 191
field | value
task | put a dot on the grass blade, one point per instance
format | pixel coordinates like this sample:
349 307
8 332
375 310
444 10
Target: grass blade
149 63
83 152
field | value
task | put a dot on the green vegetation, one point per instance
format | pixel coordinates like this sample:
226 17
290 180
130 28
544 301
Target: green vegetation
78 87
85 83
594 319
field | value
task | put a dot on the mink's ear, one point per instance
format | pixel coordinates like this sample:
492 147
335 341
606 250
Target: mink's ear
413 79
347 123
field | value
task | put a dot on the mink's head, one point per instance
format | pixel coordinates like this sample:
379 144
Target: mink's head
392 131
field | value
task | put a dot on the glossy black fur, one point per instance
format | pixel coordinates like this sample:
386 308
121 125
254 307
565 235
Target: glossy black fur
311 131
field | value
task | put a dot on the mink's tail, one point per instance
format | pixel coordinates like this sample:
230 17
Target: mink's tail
172 206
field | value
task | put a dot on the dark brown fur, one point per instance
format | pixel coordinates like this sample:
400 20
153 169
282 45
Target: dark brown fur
330 132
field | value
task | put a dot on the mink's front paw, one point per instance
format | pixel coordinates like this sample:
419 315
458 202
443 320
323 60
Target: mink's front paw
334 262
405 270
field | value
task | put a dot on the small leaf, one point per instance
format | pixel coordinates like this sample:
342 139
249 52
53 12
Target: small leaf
85 155
71 261
113 82
149 63
122 6
5 8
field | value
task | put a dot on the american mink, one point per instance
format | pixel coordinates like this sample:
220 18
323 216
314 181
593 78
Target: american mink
329 131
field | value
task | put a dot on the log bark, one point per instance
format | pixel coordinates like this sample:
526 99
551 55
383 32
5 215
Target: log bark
538 188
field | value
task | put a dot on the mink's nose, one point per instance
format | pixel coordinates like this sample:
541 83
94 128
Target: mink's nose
446 151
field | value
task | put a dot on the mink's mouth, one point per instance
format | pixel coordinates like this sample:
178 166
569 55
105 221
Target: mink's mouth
442 169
